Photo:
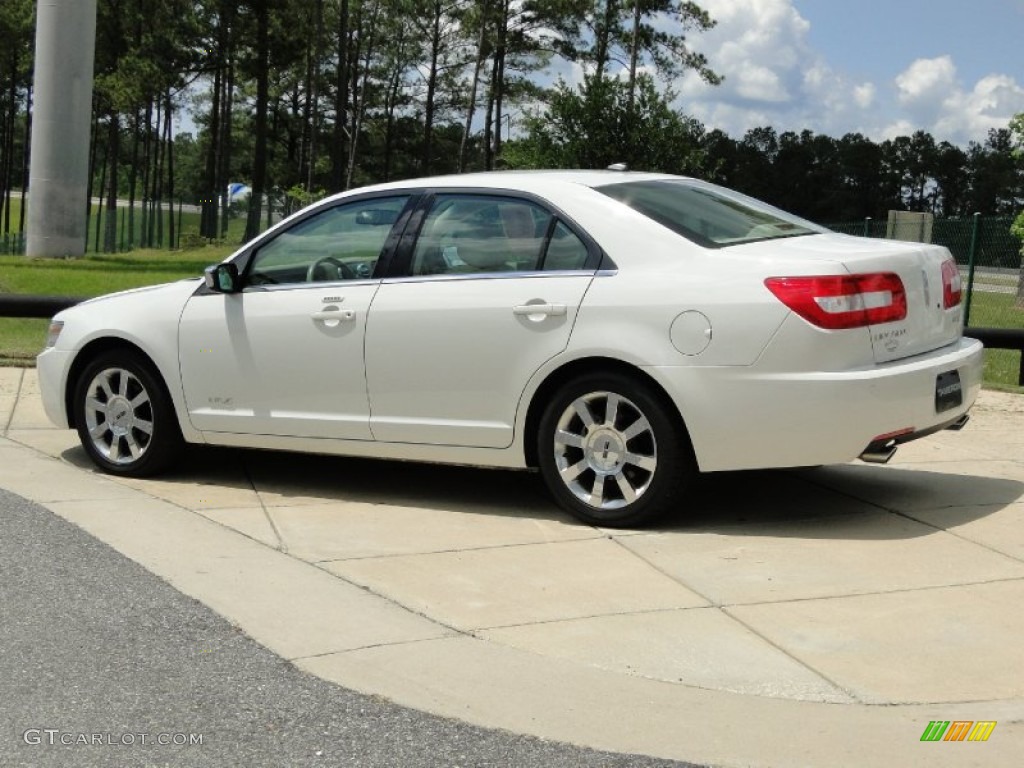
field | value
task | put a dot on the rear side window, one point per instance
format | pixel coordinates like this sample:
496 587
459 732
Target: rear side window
488 234
709 215
565 251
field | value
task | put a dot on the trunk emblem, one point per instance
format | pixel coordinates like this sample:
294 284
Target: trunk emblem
927 292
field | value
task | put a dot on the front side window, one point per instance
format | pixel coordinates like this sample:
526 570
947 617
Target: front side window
343 242
707 214
469 234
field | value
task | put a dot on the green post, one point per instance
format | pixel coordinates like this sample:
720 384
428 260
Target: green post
975 233
867 226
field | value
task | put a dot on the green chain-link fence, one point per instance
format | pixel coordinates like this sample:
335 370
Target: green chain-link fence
989 258
12 244
129 229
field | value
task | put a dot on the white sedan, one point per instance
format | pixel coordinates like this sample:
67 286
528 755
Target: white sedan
620 331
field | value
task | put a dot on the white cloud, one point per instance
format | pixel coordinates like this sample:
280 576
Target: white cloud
925 80
761 84
757 45
992 102
864 95
935 100
897 128
774 76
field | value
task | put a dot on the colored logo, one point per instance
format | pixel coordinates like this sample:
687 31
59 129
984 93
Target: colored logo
958 730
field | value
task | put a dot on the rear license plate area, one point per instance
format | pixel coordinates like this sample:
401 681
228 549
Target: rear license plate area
948 392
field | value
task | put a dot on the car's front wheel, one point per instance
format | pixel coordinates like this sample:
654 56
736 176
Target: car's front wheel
124 417
611 453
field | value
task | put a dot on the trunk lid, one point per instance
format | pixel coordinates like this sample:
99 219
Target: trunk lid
928 324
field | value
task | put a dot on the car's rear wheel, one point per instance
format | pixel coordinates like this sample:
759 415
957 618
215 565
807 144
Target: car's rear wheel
124 416
611 452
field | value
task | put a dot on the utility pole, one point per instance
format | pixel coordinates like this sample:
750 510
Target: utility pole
59 164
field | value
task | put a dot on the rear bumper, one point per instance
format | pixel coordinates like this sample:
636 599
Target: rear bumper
749 418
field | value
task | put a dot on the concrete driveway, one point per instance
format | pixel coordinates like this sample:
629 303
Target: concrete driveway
808 617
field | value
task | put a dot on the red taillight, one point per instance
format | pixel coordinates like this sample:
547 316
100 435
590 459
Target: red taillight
951 284
843 301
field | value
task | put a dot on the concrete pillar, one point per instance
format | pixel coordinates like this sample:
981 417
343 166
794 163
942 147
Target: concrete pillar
61 118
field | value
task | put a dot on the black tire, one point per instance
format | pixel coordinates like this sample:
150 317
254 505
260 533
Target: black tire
124 416
629 466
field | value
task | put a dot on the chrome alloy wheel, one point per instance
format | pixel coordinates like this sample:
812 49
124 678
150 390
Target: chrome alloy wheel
118 416
605 451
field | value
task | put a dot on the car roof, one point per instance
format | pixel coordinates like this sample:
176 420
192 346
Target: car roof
524 181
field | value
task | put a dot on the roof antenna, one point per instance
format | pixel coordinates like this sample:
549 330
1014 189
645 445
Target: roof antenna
618 167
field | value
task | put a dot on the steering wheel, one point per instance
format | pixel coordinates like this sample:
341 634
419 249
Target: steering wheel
344 271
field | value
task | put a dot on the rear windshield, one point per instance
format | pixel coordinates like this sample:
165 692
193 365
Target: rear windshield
707 214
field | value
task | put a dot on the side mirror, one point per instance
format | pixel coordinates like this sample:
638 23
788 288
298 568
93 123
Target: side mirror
223 278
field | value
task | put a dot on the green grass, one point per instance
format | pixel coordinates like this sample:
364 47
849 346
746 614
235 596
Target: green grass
21 339
96 275
1002 369
998 310
995 310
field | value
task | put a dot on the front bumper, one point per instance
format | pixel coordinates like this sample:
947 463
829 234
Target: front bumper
53 366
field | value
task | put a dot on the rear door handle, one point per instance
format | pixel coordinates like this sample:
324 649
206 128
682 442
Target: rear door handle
551 310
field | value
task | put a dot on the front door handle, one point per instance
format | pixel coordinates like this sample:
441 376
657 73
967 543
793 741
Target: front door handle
551 310
335 315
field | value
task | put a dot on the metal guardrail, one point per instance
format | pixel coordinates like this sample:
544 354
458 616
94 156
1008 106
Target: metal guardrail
16 305
20 305
1001 338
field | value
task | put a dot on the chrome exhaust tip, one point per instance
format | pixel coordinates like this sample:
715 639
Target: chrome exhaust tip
960 423
878 454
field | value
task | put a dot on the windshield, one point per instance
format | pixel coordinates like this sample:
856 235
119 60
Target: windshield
707 214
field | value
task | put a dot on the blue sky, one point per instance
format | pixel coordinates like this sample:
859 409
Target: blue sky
875 38
882 68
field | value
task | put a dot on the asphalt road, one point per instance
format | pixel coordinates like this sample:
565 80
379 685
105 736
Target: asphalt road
104 664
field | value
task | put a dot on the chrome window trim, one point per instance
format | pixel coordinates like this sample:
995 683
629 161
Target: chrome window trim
531 274
273 288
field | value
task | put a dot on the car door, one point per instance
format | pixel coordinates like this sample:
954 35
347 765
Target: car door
284 356
491 289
